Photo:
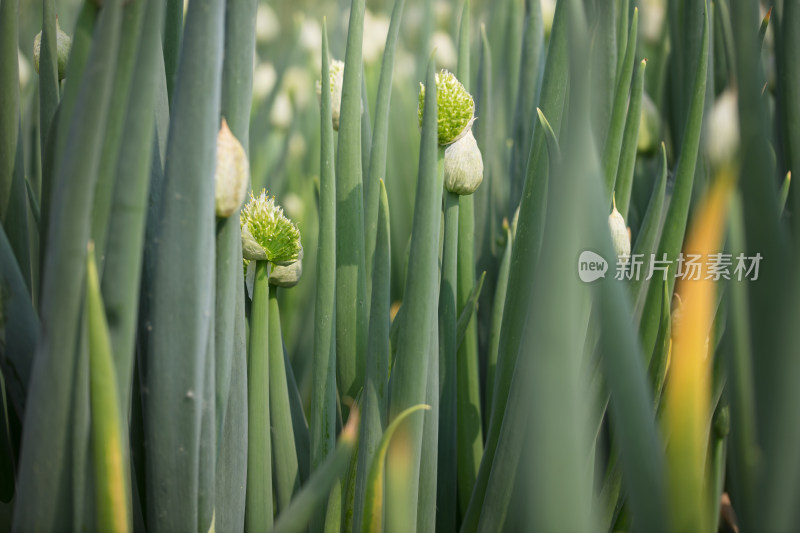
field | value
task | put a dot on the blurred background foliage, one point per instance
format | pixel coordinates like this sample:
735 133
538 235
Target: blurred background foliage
507 80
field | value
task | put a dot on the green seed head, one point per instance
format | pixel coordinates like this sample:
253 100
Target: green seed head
267 235
463 166
232 174
456 107
63 45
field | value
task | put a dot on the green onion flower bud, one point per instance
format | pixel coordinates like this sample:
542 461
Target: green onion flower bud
24 70
619 233
651 20
456 107
232 175
63 45
723 129
548 13
463 166
267 235
287 275
722 422
336 72
649 127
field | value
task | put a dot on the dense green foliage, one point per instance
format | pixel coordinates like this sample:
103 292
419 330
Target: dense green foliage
374 344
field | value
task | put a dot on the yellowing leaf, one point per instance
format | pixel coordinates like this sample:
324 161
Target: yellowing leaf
687 391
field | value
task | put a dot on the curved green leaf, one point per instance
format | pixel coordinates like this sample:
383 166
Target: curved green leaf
295 518
372 521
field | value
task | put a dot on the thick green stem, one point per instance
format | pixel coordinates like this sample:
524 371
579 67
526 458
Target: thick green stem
48 72
497 320
173 33
123 266
351 283
44 491
525 254
469 434
380 137
323 377
616 128
13 202
447 464
409 373
630 138
130 43
258 506
428 480
678 212
376 387
287 478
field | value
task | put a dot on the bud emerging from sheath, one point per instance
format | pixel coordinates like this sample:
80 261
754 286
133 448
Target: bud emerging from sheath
649 127
619 233
267 235
232 175
463 166
287 275
336 72
723 129
63 46
456 107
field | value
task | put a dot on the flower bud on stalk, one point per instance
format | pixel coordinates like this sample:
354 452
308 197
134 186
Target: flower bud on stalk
723 129
463 166
649 127
336 82
267 235
619 232
63 46
232 174
456 107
